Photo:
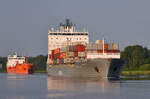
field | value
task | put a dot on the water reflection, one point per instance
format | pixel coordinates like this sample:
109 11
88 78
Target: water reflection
40 86
70 87
56 83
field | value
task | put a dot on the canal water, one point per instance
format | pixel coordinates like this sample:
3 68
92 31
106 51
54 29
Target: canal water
40 86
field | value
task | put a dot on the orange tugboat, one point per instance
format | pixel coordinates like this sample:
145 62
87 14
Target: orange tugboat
19 65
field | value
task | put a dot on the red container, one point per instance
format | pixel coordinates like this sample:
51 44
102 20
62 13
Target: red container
75 54
52 61
116 51
52 52
61 61
109 51
63 55
50 56
100 51
105 50
112 51
56 56
56 50
105 46
80 48
85 57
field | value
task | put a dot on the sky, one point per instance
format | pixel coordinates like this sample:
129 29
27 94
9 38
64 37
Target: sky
24 24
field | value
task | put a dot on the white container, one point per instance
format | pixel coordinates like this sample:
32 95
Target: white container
116 46
110 46
70 54
99 42
81 54
99 46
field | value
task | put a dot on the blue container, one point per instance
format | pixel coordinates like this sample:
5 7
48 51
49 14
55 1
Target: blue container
63 60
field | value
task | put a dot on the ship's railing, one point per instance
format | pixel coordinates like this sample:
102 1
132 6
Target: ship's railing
103 53
67 32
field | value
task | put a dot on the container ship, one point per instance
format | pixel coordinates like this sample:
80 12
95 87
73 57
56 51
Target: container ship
70 54
19 65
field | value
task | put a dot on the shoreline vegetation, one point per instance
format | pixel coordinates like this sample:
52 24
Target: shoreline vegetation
137 61
40 71
135 73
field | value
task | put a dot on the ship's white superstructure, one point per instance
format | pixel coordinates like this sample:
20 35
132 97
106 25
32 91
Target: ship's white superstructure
15 59
65 34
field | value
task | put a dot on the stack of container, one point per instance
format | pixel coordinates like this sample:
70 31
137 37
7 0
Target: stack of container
73 53
69 54
98 48
113 48
94 48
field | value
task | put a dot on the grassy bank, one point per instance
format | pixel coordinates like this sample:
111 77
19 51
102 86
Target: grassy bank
2 71
135 73
40 71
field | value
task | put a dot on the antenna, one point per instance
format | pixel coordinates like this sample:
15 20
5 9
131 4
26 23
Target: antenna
67 22
103 44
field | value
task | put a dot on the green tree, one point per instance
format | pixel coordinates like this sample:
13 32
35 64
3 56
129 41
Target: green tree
3 61
135 56
39 62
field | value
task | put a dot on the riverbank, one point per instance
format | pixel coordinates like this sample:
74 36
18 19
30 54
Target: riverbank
135 73
2 71
40 71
